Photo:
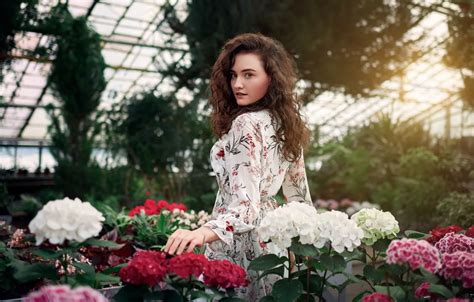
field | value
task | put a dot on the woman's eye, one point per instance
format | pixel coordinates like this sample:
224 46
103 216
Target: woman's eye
248 75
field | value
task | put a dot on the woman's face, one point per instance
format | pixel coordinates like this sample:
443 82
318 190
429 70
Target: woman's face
249 81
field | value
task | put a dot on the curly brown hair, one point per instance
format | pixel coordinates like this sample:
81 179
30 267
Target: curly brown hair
280 99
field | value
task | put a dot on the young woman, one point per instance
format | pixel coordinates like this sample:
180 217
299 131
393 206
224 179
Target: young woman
261 137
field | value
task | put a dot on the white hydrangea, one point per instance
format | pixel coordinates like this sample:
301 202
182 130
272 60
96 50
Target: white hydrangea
289 221
376 225
67 219
336 228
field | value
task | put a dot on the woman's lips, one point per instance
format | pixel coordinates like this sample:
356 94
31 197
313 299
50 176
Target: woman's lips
240 95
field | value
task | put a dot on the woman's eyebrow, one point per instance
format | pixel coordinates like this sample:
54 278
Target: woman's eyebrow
244 70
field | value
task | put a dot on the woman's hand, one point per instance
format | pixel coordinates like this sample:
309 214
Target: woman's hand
185 240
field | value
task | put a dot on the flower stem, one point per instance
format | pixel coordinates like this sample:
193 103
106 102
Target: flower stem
64 263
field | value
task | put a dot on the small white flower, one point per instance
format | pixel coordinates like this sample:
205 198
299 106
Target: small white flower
65 219
376 225
336 228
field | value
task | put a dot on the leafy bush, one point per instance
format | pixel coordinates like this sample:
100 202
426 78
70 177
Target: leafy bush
457 209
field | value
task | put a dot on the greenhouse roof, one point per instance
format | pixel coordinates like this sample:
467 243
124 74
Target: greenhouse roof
135 49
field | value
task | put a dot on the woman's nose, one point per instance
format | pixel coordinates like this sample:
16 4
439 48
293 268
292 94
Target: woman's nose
237 82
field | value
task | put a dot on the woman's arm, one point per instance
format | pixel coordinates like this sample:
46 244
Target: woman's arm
295 185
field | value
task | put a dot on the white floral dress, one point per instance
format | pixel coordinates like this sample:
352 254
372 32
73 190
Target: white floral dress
250 170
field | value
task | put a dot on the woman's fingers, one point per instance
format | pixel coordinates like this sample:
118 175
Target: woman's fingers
181 239
171 241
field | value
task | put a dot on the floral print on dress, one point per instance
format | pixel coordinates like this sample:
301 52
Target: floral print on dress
250 170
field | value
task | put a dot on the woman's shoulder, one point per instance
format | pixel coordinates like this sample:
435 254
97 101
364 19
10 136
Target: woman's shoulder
253 117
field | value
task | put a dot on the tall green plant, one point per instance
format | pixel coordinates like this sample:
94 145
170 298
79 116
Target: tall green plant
164 142
77 80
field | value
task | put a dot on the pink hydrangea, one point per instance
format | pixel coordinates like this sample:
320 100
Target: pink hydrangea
453 242
56 293
460 266
377 297
457 300
416 253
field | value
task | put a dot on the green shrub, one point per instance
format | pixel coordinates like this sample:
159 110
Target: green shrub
456 208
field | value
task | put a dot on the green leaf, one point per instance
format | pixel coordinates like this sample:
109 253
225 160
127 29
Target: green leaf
47 254
429 276
381 244
303 249
356 254
393 269
335 263
306 297
232 299
373 274
87 268
102 243
351 277
82 279
314 283
195 294
114 269
131 293
396 292
279 270
286 290
104 278
26 272
266 262
415 234
441 290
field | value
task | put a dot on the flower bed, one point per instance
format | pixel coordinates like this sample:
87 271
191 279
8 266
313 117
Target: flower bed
72 245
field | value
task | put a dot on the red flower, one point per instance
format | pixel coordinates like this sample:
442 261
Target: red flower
377 297
162 204
452 242
470 232
178 206
460 266
438 233
136 210
416 253
224 274
146 267
187 265
152 207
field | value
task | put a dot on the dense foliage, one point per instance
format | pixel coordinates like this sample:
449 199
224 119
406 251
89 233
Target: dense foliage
394 164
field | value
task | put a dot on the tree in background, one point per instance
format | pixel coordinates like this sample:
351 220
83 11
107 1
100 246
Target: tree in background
164 141
460 47
77 80
348 46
